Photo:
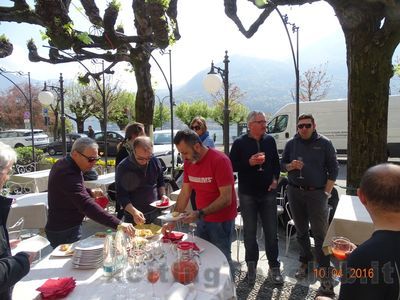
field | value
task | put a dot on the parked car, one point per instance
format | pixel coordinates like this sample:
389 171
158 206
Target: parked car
113 139
162 147
23 137
56 146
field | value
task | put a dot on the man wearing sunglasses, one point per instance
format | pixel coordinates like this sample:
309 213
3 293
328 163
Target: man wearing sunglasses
70 201
310 160
139 180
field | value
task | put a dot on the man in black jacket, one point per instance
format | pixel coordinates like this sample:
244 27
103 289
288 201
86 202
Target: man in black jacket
12 268
255 157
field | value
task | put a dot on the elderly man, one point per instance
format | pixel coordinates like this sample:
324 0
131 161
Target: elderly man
258 175
70 201
310 159
377 259
12 268
209 173
140 181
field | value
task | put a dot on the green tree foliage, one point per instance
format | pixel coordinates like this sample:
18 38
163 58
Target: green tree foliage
162 114
187 111
122 110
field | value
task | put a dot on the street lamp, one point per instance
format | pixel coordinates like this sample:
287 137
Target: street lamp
212 83
295 29
171 101
47 98
102 90
29 101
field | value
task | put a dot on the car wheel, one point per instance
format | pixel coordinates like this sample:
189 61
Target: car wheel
18 145
51 151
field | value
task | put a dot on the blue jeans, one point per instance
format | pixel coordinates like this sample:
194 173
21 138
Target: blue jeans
264 206
309 208
66 236
218 234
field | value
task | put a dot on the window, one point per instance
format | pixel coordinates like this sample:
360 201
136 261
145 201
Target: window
278 124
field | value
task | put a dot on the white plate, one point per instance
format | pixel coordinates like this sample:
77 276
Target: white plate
91 243
155 204
58 253
169 217
32 244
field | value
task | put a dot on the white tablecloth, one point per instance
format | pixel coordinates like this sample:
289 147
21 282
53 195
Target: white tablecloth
351 220
39 178
103 181
213 281
32 207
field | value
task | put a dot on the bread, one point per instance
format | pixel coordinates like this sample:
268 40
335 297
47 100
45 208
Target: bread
65 247
176 214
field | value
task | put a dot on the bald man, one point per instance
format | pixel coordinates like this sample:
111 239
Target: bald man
373 269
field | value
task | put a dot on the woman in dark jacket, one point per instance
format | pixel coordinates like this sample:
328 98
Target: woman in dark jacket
12 268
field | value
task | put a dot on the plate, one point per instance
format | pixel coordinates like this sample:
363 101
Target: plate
58 253
156 204
169 217
32 244
155 230
91 243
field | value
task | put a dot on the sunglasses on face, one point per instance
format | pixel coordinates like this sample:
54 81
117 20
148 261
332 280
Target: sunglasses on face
301 126
197 127
90 159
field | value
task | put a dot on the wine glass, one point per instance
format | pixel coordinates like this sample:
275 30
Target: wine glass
153 275
261 156
300 175
192 230
340 247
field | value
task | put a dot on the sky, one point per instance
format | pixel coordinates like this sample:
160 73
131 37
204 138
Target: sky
206 33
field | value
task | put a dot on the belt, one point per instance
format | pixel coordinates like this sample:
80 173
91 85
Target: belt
306 188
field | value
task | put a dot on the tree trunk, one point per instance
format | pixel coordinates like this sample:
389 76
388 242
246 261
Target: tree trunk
144 105
369 62
79 125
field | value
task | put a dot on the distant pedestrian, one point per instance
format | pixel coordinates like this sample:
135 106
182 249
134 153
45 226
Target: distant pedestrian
90 132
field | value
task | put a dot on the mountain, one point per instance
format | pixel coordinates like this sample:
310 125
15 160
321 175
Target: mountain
268 84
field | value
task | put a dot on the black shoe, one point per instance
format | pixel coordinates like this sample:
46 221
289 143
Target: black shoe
302 271
276 276
326 288
251 273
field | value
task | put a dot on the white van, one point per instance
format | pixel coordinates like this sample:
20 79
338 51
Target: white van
331 119
23 137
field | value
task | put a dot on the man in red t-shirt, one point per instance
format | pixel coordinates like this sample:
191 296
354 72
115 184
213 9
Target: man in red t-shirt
209 172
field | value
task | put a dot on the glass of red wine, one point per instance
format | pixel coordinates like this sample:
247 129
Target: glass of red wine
153 275
340 248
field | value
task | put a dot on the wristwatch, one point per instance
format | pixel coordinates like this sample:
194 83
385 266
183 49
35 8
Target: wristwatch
201 214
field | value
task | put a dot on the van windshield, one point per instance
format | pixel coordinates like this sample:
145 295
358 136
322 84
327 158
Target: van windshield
278 124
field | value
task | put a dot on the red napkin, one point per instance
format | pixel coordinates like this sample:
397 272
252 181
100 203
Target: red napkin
173 236
102 201
194 246
164 202
57 288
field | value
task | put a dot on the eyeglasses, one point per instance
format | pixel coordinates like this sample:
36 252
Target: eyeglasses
138 158
197 127
90 159
260 122
301 126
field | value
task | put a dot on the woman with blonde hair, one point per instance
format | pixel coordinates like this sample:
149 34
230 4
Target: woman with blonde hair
199 126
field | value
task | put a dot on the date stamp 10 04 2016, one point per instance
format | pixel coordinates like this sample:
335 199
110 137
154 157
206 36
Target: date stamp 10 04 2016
350 273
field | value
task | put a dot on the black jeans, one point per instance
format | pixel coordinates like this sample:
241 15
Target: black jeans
264 206
310 208
66 236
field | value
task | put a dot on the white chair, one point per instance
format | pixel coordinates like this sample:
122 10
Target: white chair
35 216
281 195
19 188
289 228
